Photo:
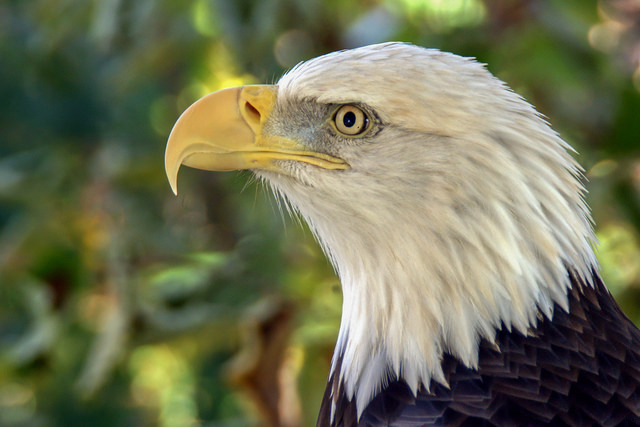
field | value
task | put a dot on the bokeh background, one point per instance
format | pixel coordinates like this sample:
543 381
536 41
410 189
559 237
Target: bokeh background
123 305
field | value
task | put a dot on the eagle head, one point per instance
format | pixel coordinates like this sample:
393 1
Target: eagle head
447 205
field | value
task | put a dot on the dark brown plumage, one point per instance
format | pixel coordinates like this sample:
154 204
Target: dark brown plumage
580 369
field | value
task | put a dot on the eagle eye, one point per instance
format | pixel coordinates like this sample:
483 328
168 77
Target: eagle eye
351 120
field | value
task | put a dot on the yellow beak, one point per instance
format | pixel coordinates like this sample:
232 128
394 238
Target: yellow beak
223 131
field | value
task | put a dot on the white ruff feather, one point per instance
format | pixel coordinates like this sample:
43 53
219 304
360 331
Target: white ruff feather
458 219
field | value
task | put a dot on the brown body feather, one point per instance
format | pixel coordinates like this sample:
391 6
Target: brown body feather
582 368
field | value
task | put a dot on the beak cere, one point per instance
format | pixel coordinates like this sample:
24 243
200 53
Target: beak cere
223 131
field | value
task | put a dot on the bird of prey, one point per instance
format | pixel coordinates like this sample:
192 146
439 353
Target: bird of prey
455 219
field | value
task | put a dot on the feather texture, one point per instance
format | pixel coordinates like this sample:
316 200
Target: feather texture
463 245
582 368
457 216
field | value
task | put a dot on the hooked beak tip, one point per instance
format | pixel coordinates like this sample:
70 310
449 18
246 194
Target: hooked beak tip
171 171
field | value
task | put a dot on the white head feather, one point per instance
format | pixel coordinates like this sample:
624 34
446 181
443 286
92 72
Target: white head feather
458 219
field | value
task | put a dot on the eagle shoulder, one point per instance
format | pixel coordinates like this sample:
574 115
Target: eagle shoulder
580 368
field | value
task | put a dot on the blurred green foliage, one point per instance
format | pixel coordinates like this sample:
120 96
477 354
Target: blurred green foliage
121 304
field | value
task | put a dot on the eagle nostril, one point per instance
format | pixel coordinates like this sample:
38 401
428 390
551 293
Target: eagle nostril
251 112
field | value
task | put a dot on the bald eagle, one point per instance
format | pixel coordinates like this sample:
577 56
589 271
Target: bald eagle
454 217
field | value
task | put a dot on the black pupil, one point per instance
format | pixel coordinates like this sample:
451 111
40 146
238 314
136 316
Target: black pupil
349 119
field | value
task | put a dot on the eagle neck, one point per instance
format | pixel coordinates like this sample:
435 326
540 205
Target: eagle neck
410 298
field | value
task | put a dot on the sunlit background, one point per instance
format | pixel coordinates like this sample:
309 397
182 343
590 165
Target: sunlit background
123 305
